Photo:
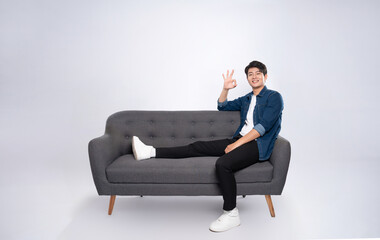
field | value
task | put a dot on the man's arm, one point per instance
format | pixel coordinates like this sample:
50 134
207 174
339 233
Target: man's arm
223 95
250 136
229 83
223 104
272 111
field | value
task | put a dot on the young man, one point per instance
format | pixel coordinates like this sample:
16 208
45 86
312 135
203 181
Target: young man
253 141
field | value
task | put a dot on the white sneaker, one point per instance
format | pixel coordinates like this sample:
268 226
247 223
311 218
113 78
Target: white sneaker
140 150
226 221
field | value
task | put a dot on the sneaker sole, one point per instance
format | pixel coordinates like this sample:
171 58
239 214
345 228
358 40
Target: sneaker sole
134 150
223 230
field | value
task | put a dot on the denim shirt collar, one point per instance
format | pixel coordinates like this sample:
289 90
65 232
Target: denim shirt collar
262 91
260 94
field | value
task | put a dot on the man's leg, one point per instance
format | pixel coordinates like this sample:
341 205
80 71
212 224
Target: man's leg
196 149
201 148
228 164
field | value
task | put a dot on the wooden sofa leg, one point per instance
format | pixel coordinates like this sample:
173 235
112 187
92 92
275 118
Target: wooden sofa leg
112 202
270 205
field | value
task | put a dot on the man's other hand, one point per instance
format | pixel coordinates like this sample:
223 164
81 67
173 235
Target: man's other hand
230 147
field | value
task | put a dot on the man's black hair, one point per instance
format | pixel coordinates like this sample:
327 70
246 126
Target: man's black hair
261 66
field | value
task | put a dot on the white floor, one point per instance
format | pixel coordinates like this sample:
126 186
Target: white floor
324 200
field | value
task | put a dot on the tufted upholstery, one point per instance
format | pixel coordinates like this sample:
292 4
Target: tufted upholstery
115 171
171 128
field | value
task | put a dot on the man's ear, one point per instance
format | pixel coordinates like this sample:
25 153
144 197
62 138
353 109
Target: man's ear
265 77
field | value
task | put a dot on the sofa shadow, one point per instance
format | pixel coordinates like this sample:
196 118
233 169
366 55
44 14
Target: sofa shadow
150 215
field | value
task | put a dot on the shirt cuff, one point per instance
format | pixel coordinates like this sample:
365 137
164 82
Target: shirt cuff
260 129
222 104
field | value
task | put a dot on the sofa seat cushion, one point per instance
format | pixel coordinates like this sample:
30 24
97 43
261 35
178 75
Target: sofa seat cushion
126 169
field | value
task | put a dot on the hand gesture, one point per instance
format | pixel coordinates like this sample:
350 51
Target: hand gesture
230 147
229 83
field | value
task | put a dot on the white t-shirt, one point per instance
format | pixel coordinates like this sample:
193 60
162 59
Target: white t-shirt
248 126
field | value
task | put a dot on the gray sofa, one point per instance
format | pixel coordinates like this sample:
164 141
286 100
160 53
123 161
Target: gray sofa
116 172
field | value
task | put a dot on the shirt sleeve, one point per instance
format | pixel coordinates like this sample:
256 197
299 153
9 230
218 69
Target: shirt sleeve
271 113
234 105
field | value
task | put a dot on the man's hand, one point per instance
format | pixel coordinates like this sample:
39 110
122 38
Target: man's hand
250 136
230 147
229 83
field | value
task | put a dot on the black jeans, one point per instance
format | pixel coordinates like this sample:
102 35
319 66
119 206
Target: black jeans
226 165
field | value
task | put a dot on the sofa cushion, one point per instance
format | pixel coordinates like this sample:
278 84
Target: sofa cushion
126 169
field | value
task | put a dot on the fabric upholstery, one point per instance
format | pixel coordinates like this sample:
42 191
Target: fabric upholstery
126 169
115 172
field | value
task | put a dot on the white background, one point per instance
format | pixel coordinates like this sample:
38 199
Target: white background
65 66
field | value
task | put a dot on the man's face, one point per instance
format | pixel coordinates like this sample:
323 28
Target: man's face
256 78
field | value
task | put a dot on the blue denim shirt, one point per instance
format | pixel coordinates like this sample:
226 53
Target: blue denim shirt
267 116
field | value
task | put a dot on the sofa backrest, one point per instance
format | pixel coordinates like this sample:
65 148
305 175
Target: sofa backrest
170 128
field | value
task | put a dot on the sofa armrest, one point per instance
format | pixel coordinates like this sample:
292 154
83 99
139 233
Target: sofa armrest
102 152
280 160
